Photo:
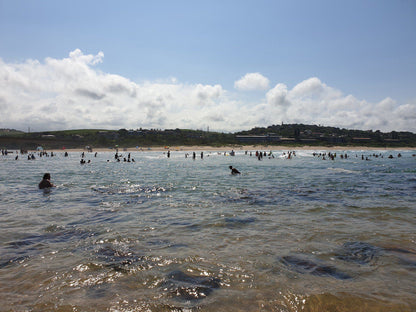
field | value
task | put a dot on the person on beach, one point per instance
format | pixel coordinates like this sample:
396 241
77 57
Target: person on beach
234 171
46 181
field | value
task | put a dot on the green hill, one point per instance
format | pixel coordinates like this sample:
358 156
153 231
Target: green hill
285 134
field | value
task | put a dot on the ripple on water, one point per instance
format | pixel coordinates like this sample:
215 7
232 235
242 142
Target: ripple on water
162 234
133 189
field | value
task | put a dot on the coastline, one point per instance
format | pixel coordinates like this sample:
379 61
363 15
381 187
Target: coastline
199 148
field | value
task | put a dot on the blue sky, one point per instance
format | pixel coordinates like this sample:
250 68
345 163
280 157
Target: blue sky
351 58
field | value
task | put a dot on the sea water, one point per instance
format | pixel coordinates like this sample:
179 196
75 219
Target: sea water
180 234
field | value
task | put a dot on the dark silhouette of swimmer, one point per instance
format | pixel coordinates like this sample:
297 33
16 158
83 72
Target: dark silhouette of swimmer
46 181
234 171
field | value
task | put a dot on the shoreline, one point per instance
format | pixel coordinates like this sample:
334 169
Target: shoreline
199 148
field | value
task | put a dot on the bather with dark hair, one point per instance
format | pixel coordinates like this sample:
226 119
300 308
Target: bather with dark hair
46 181
234 170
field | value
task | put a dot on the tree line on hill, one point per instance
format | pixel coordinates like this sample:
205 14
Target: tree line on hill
285 134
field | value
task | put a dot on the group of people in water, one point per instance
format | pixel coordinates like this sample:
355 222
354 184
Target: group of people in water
332 156
30 156
193 155
260 155
118 157
46 181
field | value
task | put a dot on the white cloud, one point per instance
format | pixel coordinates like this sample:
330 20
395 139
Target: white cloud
278 95
71 93
208 93
252 81
308 87
312 101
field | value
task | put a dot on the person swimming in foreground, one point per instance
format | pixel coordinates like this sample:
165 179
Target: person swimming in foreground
46 181
234 171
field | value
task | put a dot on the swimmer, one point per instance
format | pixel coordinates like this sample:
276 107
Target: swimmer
234 171
46 181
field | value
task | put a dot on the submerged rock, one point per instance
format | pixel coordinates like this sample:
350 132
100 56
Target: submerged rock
359 252
188 287
238 222
306 266
52 234
12 260
365 253
405 257
116 258
18 251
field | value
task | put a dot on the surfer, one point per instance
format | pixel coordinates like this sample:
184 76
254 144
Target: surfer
46 181
234 170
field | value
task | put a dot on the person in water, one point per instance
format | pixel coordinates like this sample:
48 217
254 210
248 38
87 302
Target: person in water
46 181
234 171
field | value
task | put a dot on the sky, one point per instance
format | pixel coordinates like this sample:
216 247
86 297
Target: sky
222 65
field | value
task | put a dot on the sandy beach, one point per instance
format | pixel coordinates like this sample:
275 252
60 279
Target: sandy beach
238 148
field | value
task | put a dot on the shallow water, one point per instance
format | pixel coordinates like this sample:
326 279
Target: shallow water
177 234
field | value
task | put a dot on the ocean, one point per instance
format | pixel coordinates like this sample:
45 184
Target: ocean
309 233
